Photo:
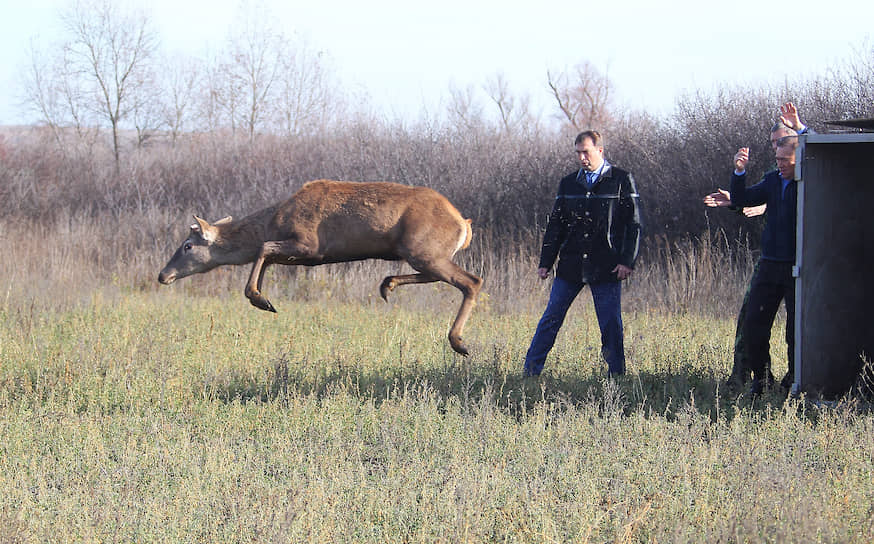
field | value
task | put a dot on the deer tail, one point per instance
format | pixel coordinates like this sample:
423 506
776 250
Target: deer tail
468 233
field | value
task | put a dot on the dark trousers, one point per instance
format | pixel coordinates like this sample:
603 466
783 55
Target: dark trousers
741 370
608 308
771 284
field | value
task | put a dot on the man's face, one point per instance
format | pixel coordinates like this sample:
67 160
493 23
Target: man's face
776 135
785 156
590 155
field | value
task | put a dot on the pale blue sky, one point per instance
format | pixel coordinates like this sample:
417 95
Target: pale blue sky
406 54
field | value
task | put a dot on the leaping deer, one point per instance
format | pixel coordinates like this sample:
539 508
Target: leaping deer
337 221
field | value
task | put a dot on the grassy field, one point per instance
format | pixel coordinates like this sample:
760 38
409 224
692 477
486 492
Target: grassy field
132 413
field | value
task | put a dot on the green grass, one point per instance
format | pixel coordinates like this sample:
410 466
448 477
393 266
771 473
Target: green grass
168 416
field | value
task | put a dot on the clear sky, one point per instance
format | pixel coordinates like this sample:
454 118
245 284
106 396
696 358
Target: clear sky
406 54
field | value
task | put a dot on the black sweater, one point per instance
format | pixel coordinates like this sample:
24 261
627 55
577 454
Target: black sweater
778 236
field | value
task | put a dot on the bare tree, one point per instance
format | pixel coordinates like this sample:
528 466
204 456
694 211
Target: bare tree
465 113
514 112
251 70
44 93
856 80
145 110
108 53
54 92
179 95
583 95
221 98
268 80
305 94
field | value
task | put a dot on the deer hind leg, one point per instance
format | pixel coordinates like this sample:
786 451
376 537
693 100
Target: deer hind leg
285 252
390 282
469 285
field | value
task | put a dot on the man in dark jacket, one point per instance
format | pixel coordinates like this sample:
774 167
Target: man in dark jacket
594 232
773 280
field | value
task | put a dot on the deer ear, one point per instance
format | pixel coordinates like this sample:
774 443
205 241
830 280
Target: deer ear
206 231
224 220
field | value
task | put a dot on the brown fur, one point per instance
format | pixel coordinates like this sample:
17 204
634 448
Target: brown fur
336 221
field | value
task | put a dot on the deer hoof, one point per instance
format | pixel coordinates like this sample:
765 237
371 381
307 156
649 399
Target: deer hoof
459 346
262 303
386 287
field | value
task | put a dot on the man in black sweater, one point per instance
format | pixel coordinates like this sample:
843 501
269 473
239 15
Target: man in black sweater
788 124
773 281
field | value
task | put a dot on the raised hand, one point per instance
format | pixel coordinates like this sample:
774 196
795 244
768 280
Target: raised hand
741 158
719 199
789 116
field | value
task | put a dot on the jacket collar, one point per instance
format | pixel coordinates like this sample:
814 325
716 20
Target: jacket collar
606 171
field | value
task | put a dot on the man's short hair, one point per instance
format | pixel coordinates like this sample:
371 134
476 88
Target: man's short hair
593 135
788 141
780 126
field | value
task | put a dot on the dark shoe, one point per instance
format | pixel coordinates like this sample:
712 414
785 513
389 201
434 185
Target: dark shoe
756 388
787 381
735 382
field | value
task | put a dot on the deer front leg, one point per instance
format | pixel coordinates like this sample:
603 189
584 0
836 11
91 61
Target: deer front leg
253 286
282 252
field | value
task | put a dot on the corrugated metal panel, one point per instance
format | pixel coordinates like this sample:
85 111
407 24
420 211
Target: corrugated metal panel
834 262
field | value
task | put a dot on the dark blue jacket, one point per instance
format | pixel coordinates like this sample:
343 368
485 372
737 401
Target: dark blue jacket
778 236
591 231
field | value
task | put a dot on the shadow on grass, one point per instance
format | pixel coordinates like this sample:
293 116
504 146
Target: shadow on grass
471 382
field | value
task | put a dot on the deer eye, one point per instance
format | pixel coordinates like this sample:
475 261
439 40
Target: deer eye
186 246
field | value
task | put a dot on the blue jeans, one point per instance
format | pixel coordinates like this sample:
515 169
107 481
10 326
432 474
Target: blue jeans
608 308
